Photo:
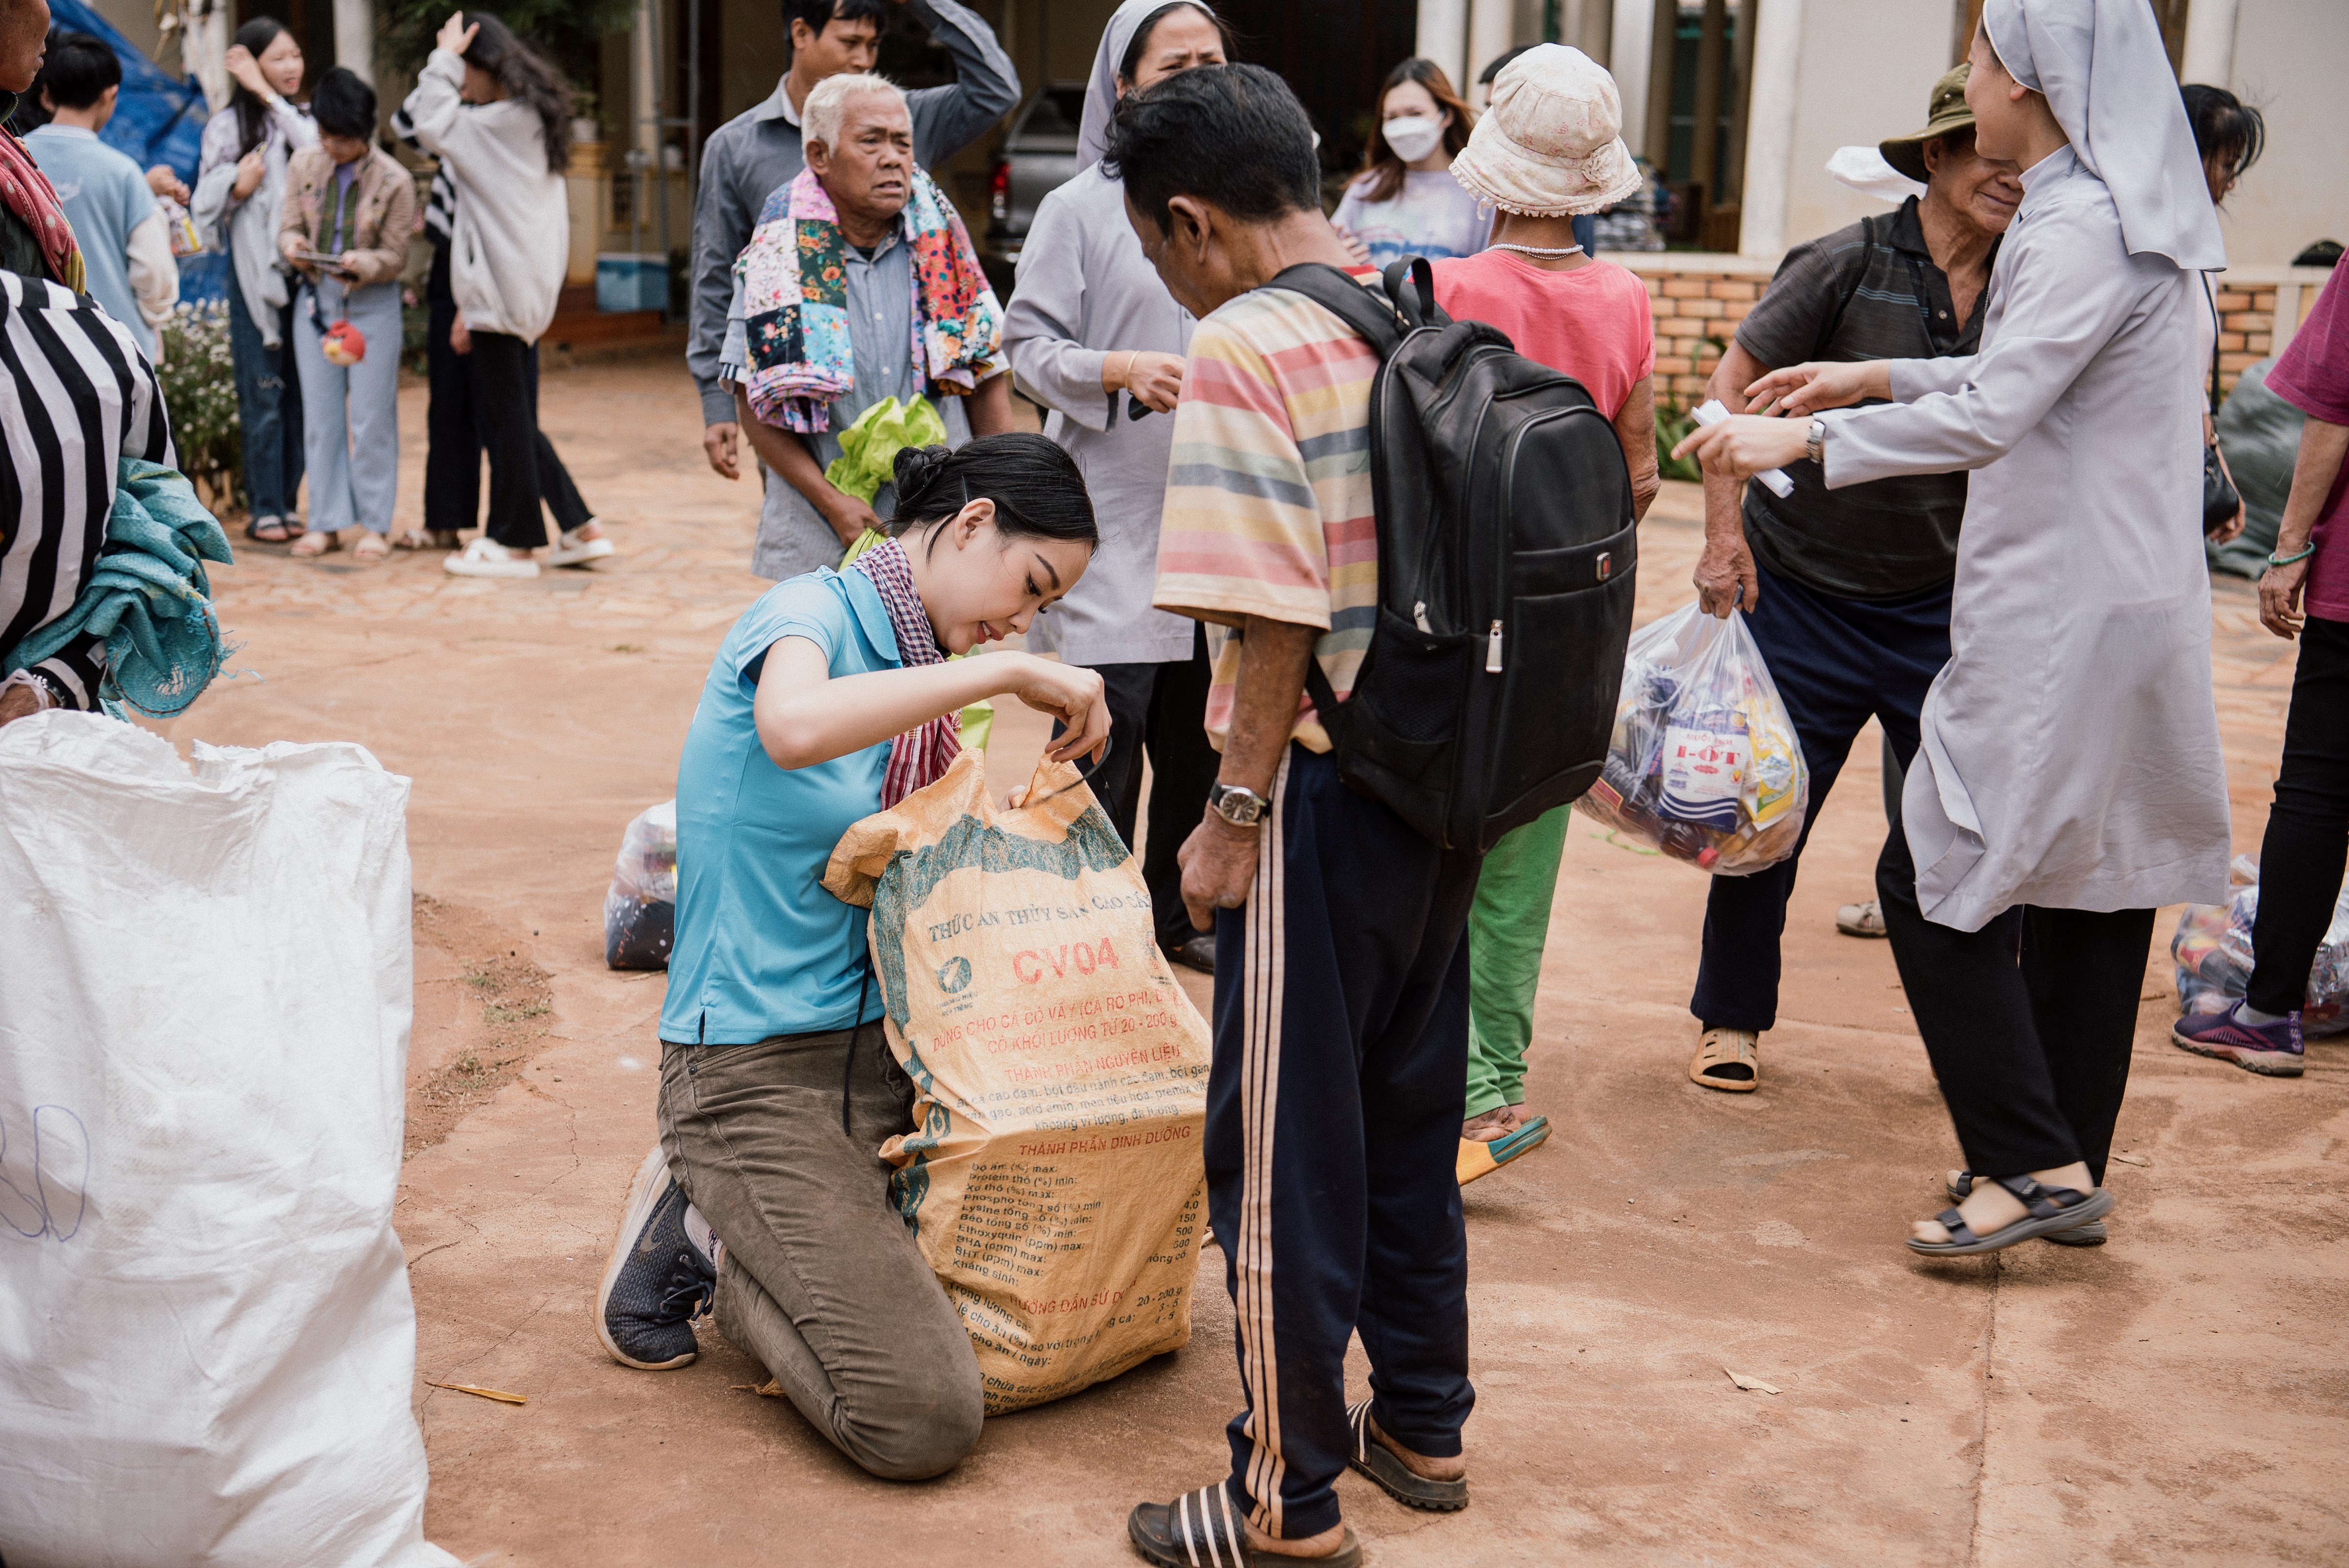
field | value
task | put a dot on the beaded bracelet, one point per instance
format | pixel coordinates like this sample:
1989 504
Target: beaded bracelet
2275 560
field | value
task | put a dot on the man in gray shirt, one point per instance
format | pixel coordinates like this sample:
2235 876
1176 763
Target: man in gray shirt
1847 592
749 157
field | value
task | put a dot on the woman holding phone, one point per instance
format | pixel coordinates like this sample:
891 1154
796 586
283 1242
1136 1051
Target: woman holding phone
2069 778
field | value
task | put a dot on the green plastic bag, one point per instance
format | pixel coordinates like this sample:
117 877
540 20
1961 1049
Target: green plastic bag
869 448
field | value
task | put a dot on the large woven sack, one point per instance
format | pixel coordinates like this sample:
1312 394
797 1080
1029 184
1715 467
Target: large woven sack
207 1344
1055 1178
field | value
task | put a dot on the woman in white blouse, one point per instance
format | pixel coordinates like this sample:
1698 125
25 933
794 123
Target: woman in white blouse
240 185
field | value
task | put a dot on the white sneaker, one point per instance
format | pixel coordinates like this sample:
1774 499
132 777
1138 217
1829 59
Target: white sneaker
485 557
573 551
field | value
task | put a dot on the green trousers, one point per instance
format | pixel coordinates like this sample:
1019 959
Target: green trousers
1508 926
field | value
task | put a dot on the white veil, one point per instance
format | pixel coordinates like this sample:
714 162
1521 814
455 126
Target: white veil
2101 65
1100 91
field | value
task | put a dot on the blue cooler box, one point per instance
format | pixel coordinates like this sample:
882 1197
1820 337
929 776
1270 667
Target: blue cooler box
631 280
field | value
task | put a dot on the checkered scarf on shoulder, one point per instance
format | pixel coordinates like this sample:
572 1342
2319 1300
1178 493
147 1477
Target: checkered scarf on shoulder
918 757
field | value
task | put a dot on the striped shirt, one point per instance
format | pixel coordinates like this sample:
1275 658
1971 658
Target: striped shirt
80 396
1268 491
440 201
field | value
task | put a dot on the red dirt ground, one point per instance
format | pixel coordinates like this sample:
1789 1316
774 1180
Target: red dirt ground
2178 1395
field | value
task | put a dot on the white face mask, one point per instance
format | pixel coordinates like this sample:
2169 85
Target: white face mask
1413 136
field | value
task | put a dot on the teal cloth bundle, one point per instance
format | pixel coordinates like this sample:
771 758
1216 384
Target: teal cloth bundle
149 599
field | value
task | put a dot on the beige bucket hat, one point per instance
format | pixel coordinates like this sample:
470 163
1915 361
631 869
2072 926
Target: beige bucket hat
1550 145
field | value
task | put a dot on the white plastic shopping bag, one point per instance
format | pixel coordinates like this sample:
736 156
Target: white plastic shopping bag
1704 764
207 1345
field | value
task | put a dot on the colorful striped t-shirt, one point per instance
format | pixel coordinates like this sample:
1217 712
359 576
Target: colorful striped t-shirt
1268 490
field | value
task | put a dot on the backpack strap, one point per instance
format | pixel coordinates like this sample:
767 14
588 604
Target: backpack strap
1411 285
1336 292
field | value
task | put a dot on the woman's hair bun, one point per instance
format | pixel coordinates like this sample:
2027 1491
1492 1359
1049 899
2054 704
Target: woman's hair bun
917 469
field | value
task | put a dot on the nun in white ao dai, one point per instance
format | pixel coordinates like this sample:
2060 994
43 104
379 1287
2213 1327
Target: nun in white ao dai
2070 754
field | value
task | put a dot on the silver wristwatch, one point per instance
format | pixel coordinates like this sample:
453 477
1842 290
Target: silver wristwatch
1814 444
1237 805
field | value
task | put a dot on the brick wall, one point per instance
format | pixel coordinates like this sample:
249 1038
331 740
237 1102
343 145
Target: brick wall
1698 299
1696 314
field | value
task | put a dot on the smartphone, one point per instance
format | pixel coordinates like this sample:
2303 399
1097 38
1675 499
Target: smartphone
324 262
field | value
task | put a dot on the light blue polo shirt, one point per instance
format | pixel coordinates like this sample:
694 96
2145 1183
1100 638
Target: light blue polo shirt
761 948
105 197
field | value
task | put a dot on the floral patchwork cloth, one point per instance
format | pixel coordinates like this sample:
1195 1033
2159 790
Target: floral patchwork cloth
794 301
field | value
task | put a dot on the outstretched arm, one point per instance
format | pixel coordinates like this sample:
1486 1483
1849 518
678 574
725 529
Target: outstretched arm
806 716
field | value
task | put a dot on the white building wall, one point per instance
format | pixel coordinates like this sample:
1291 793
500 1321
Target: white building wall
1865 72
2291 60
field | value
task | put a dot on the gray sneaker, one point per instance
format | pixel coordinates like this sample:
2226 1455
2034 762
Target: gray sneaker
656 1281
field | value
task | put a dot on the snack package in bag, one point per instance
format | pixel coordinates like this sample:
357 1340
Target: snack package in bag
640 906
1055 1179
207 1342
1704 764
2213 953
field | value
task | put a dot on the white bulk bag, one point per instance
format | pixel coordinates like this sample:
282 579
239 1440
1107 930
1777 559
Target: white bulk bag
207 1345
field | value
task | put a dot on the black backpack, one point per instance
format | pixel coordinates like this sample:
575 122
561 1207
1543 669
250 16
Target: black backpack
1506 556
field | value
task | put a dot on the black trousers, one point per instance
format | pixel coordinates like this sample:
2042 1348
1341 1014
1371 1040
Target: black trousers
459 423
2028 1022
1835 662
2307 843
1159 711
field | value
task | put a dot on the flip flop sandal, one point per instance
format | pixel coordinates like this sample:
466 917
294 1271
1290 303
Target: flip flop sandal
2048 1210
1862 920
1376 1461
2092 1234
1720 1048
1479 1157
1202 1530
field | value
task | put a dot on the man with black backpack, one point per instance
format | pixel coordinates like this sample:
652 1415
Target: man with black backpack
1341 983
1846 591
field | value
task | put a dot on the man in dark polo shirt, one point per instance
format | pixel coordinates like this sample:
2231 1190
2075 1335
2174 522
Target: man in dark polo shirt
1846 591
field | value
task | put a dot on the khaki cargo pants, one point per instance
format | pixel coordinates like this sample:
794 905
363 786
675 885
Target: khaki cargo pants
821 1279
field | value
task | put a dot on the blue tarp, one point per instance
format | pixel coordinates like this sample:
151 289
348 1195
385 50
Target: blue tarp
156 120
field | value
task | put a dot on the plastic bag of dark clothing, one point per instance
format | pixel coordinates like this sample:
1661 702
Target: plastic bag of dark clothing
1704 764
640 909
2260 433
2213 952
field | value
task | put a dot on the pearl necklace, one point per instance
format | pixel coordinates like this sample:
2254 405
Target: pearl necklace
1538 250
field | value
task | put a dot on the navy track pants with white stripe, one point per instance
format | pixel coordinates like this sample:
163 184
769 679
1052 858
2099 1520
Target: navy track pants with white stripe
1333 1131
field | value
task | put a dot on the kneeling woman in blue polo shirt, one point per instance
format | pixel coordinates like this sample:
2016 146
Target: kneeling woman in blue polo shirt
831 699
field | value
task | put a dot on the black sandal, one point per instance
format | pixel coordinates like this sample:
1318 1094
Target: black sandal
2092 1234
1202 1530
288 530
2048 1210
1397 1480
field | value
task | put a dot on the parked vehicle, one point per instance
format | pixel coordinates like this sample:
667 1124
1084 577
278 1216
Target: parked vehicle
1038 155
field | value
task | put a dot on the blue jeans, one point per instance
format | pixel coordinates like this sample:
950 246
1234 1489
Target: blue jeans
1835 662
351 413
268 407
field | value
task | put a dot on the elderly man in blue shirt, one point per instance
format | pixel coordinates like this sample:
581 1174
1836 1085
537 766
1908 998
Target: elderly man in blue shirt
912 318
757 153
